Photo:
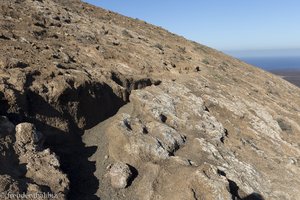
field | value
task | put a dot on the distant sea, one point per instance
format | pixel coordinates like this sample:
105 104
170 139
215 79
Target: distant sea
274 63
288 67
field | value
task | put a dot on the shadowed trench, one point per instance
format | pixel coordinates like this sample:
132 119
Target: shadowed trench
95 104
64 121
80 109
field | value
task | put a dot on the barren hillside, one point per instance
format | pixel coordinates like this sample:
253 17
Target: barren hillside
95 105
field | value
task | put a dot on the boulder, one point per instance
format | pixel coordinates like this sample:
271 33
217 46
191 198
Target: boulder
120 175
28 136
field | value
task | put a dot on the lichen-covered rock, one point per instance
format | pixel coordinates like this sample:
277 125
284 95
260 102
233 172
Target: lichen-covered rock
26 165
153 138
42 166
120 174
168 124
8 184
27 136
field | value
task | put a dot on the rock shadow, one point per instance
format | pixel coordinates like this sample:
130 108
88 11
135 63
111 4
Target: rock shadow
134 172
95 102
254 196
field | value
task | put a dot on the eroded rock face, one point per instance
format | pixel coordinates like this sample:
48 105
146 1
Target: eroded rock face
27 137
192 123
29 168
188 136
182 150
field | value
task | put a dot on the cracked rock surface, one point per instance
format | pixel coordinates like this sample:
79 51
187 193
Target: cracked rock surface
26 165
95 105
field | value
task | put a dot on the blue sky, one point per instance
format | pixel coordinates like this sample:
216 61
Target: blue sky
222 24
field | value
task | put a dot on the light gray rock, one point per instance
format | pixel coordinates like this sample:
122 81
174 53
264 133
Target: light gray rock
42 165
27 135
120 174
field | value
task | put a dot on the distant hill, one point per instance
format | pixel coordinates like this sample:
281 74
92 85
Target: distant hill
291 75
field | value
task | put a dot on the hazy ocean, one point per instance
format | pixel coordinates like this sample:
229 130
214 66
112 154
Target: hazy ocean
274 63
286 67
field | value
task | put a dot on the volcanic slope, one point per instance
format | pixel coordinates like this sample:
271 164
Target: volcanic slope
96 105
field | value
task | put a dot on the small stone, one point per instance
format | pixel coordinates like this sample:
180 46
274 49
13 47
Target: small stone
120 174
108 166
197 69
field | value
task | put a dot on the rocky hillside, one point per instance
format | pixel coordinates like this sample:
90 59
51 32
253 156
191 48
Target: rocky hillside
96 105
